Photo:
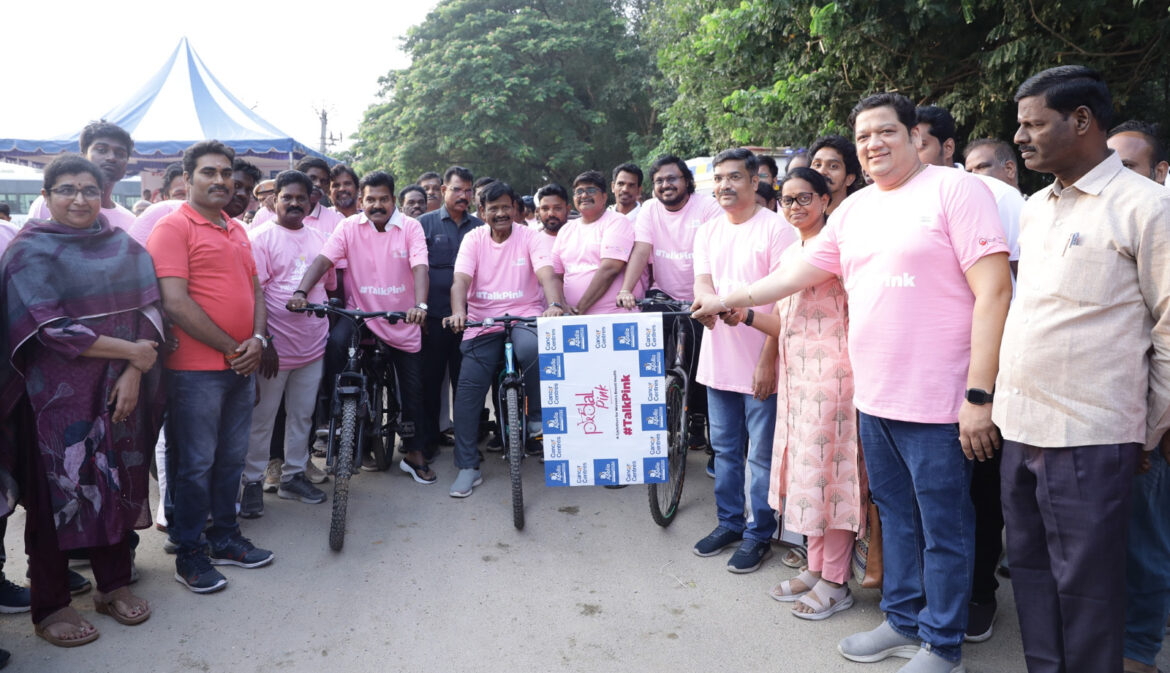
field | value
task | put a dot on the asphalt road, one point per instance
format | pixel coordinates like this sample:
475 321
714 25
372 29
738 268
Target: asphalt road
431 583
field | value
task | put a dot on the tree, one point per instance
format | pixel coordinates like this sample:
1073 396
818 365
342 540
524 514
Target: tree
523 90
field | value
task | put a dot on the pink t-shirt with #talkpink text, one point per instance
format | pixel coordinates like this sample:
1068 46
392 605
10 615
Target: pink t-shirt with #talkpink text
673 237
379 277
903 255
503 275
282 256
736 255
578 252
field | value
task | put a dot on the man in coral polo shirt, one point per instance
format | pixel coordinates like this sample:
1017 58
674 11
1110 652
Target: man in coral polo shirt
209 288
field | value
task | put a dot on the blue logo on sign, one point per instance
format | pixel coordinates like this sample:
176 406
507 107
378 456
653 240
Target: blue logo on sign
650 363
554 420
552 367
556 473
605 472
653 417
625 336
576 338
654 470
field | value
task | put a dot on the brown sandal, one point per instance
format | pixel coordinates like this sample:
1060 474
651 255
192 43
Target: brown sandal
105 604
66 615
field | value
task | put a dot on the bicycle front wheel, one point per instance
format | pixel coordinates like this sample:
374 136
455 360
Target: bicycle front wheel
342 470
664 497
515 453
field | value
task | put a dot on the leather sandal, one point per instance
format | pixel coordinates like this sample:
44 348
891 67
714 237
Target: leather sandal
66 615
106 604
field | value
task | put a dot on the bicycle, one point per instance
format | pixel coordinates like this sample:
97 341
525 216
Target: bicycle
664 496
364 408
513 404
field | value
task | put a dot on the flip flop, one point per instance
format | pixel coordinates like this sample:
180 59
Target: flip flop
415 470
66 615
822 603
783 591
104 605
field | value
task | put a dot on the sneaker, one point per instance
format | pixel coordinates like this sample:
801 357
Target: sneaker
368 463
980 619
252 502
447 438
881 643
925 661
696 434
534 445
467 479
78 584
749 557
13 597
239 551
193 570
314 474
717 541
299 488
170 546
496 443
272 475
711 466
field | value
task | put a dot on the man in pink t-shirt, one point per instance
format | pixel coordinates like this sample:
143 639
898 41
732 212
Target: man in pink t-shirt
504 268
737 363
319 217
591 253
109 147
386 257
925 265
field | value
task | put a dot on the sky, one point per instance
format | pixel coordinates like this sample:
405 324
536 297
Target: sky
69 62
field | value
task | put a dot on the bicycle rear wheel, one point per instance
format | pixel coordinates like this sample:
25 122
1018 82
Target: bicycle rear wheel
664 497
515 453
343 468
379 434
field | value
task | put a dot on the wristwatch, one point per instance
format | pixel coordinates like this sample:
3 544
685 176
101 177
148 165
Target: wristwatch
263 339
558 305
751 315
421 305
979 396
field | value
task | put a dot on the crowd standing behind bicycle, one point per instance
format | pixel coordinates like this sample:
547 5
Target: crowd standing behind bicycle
858 344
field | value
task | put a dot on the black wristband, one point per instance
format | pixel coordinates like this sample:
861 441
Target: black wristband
751 315
302 292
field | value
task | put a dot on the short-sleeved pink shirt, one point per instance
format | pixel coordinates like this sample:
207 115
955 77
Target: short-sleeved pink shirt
503 275
903 255
145 223
672 236
379 277
736 255
323 219
579 249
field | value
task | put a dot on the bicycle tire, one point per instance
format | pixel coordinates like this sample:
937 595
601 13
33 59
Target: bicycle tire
664 497
515 454
343 468
379 435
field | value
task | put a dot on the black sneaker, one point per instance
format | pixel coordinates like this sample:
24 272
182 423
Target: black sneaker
193 570
239 551
13 597
534 445
980 619
719 539
495 444
78 584
299 488
749 557
252 502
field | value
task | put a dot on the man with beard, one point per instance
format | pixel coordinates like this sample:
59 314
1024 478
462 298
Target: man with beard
552 208
444 230
207 278
343 182
109 147
432 184
414 201
590 253
835 158
320 217
627 190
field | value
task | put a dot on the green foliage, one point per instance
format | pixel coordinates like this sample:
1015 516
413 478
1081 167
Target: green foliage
523 90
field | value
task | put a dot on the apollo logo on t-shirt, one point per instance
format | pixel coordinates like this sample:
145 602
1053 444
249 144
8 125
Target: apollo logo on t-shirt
650 363
605 471
556 473
576 338
655 470
625 336
521 261
552 367
555 420
653 417
894 280
382 291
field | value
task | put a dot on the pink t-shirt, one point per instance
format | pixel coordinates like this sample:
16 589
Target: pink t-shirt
323 219
902 255
145 223
673 237
379 276
736 255
503 275
579 249
262 215
118 216
282 256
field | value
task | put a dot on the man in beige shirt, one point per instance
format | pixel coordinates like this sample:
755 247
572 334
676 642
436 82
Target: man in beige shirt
1084 376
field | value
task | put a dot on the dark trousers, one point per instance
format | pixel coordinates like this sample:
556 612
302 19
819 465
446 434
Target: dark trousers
440 355
985 490
1067 513
696 392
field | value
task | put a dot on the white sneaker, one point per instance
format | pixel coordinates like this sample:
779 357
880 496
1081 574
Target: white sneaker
314 474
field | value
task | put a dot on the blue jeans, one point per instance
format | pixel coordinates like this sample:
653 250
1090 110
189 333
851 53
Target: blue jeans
483 357
1147 565
734 419
209 416
920 481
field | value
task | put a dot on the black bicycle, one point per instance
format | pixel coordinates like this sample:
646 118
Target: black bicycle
364 411
512 405
664 496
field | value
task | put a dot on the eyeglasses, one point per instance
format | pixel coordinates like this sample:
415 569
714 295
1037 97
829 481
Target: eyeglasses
669 180
90 193
803 198
587 191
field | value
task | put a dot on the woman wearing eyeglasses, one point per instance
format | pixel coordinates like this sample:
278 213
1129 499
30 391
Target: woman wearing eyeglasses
80 397
816 475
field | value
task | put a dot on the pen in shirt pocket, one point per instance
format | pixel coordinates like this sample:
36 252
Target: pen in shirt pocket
1073 239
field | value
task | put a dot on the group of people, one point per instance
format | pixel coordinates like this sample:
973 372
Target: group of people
933 343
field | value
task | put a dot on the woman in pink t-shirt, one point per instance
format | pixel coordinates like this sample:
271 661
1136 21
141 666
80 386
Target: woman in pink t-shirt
815 456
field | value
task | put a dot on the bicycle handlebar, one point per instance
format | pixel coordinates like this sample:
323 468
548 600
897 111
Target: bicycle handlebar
320 310
492 322
680 307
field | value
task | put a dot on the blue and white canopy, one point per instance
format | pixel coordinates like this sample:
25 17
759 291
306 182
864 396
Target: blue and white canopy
182 104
